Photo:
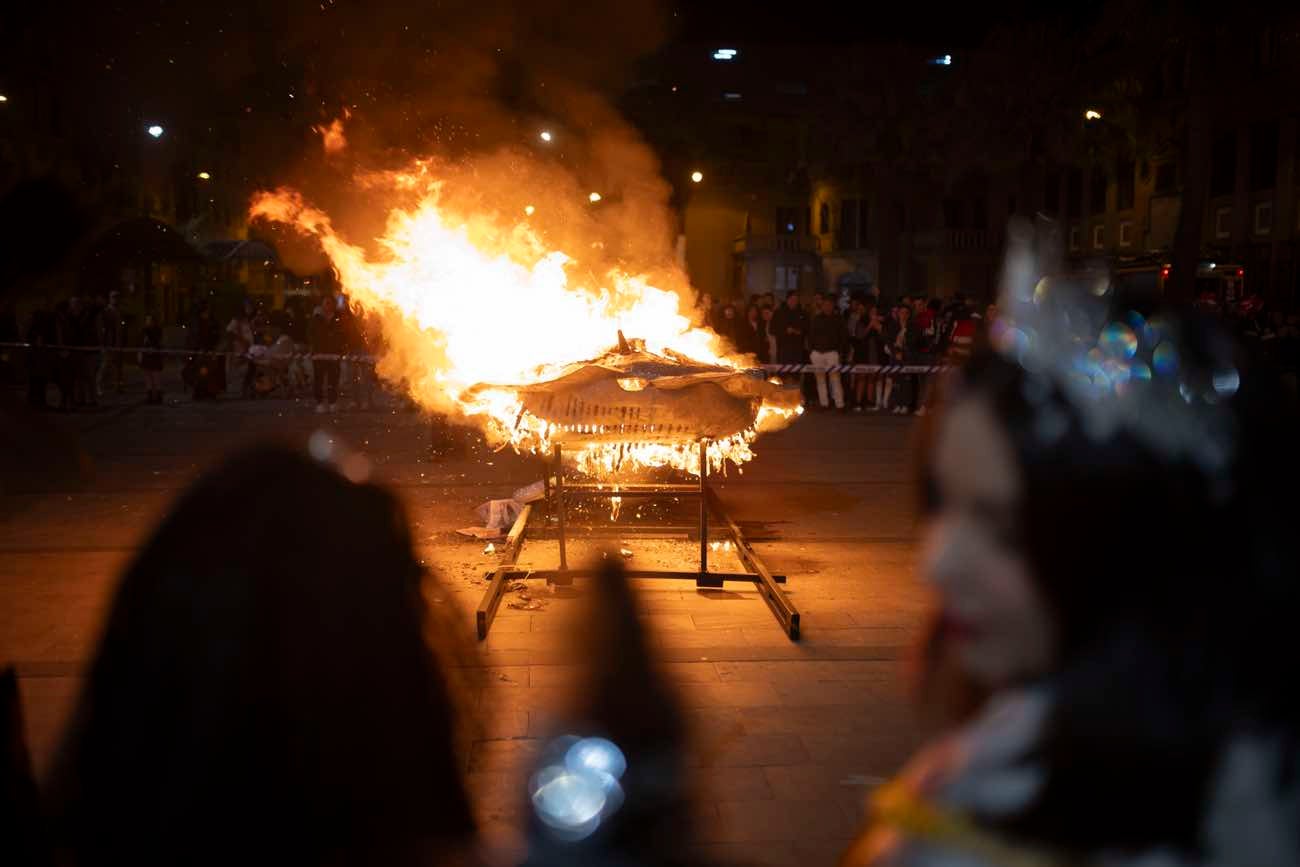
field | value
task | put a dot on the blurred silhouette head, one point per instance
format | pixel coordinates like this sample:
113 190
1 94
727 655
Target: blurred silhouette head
263 684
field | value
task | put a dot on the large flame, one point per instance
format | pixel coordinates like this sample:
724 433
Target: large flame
465 301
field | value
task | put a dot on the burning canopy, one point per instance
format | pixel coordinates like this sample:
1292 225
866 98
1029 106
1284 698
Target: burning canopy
465 300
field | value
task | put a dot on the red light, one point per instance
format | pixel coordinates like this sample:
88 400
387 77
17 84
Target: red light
1164 272
1240 272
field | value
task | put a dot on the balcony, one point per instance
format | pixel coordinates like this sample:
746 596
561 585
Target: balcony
953 241
752 245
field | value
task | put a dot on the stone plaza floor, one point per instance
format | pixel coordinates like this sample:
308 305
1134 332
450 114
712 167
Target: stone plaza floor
788 737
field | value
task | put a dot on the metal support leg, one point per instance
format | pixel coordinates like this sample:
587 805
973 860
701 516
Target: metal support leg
779 604
705 578
560 504
487 609
704 511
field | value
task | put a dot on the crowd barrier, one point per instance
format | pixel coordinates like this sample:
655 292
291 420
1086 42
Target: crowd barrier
779 369
268 355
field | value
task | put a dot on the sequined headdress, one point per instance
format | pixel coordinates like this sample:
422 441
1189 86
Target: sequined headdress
1117 369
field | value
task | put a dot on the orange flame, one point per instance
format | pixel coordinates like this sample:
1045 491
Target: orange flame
332 136
463 302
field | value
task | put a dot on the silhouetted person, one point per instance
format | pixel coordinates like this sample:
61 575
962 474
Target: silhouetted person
625 700
327 335
41 362
151 359
270 697
21 828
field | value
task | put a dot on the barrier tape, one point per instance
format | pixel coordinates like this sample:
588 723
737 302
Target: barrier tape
191 353
878 369
885 369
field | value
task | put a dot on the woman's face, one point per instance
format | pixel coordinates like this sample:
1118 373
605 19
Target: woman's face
993 615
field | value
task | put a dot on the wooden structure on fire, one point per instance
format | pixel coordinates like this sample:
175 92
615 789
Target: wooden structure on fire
559 494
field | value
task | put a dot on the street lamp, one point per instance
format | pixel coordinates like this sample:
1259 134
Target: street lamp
545 135
3 98
594 198
155 130
725 54
204 176
1092 114
528 210
696 177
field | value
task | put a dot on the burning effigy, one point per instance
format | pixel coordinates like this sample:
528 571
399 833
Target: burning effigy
482 320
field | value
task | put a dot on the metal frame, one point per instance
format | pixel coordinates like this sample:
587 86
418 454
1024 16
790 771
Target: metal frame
558 493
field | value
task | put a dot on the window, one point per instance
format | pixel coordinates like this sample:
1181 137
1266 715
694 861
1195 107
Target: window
824 218
1125 180
1126 233
1097 195
1074 237
787 221
1098 236
1166 178
1263 156
1263 218
1223 223
786 278
1223 166
852 232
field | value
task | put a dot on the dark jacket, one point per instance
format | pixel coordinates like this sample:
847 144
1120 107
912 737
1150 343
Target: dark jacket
828 333
151 338
328 332
789 347
902 351
751 337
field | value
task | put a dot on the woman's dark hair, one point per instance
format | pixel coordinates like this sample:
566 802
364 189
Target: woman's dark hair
264 685
1168 585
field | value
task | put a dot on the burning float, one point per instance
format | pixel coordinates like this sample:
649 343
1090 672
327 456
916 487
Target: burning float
480 320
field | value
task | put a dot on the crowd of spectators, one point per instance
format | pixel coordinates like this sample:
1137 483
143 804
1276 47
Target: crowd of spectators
825 330
828 331
82 350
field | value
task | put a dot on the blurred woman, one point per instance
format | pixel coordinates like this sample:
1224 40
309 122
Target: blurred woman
751 335
1106 577
867 347
271 697
769 334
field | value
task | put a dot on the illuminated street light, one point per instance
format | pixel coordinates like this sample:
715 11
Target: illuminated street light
594 198
942 60
156 131
696 177
528 210
3 98
546 135
1092 114
725 54
204 176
